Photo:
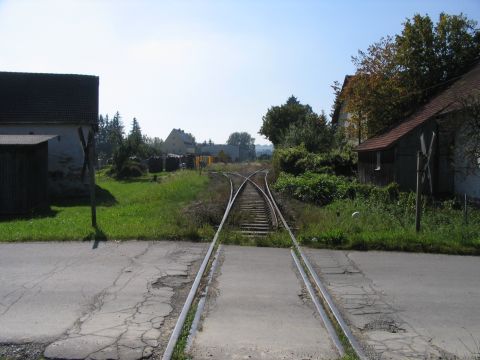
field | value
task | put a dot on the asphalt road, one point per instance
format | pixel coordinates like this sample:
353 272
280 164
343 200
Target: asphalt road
75 302
407 306
120 301
259 310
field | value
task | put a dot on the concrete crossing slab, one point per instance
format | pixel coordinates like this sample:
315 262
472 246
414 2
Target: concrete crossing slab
404 305
259 310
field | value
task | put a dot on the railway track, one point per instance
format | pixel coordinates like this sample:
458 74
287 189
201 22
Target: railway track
252 210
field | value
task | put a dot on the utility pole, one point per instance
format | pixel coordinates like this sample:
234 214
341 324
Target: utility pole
418 205
91 171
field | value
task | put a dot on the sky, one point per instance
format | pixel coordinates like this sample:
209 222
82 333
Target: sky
208 67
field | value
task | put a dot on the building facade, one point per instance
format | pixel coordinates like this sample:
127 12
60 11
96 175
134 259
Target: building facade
179 142
392 155
62 105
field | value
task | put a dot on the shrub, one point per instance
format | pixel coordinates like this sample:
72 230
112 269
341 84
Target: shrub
131 169
322 189
297 160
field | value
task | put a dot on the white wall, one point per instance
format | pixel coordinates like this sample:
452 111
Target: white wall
65 153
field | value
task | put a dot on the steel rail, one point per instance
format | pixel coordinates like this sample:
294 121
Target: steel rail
203 299
167 355
272 209
319 284
326 320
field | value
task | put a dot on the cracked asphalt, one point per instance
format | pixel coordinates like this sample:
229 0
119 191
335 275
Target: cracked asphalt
69 301
404 305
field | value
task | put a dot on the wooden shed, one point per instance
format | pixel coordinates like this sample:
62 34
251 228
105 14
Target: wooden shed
392 155
23 173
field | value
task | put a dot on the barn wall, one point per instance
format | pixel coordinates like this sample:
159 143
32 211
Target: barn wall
65 155
367 164
23 178
467 171
406 156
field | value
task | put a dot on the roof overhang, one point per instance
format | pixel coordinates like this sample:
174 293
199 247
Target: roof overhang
25 140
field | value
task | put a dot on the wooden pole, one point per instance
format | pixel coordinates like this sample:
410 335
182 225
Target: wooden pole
465 210
418 205
91 172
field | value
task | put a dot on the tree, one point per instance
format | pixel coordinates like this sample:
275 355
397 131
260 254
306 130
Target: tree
241 139
278 119
116 132
313 132
396 75
135 139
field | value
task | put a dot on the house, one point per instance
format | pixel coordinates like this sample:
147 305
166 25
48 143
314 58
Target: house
61 105
341 118
392 155
179 142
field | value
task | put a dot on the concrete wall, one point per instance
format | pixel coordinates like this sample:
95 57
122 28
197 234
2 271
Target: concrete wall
65 155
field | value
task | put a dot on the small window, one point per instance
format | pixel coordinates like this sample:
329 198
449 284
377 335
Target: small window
379 161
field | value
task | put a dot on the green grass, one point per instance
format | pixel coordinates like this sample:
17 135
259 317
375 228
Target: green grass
386 227
134 209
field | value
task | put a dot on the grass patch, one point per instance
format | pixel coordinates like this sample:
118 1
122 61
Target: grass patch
130 209
388 227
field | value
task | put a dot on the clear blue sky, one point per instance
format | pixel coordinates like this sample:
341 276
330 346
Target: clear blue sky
209 67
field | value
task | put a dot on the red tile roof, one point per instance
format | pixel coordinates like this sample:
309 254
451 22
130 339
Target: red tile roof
444 102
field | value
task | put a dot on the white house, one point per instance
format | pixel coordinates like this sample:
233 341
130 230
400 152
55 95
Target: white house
53 104
179 142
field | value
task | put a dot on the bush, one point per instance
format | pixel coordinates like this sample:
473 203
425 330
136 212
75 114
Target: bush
131 169
297 160
322 189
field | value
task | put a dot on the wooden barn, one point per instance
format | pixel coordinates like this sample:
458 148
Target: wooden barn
392 155
23 173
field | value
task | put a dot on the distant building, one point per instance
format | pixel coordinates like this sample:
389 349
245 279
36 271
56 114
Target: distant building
234 153
179 142
231 151
391 155
61 105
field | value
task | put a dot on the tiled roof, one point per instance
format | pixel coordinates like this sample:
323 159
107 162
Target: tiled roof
48 98
444 102
24 139
186 138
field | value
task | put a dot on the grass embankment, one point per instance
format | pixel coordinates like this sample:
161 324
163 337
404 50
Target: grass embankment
134 209
388 227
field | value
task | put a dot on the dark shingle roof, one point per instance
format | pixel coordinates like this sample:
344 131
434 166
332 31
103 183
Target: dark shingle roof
24 139
445 102
48 98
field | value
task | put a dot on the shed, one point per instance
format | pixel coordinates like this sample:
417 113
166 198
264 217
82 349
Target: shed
391 155
23 173
62 104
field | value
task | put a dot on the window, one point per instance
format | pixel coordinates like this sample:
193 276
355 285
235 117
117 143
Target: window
379 161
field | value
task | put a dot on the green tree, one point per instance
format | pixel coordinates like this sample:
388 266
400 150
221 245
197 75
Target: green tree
116 132
135 139
241 139
278 119
313 132
396 75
